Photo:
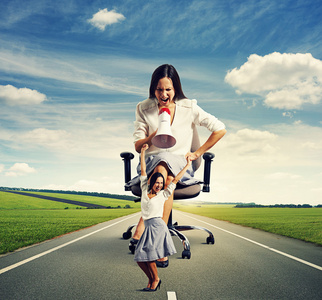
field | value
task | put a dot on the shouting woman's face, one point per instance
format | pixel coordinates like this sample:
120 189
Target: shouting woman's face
158 185
165 92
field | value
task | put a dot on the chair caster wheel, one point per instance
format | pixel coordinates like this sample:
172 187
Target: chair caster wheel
132 245
127 235
186 254
132 248
210 240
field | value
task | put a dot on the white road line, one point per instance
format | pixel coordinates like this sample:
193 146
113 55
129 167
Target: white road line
259 244
172 296
59 247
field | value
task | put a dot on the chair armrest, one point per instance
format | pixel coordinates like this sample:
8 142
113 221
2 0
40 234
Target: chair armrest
208 157
127 157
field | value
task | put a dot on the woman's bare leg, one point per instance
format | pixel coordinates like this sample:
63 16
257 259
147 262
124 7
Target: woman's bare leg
139 230
146 269
169 203
154 274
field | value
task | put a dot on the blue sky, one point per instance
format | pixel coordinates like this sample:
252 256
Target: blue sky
72 72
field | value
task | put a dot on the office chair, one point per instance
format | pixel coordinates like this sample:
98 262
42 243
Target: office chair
181 192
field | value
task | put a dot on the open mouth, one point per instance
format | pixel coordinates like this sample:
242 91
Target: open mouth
165 100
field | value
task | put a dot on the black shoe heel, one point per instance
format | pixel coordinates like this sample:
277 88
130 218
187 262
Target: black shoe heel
158 287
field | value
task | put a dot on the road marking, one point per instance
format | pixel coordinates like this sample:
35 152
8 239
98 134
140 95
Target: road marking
61 246
172 296
259 244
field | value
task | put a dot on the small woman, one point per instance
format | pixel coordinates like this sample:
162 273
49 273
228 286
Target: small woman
166 92
156 241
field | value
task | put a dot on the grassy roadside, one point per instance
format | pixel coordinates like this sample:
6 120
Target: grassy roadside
15 201
20 228
300 223
26 221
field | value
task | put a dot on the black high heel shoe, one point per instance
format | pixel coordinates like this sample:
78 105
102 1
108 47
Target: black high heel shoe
158 287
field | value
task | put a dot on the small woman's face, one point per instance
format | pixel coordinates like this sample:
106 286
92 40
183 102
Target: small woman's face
158 185
165 92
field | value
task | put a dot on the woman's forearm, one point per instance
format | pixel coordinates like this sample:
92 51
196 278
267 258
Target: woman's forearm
148 140
212 140
180 174
143 165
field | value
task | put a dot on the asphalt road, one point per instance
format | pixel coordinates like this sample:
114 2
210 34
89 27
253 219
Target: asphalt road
95 263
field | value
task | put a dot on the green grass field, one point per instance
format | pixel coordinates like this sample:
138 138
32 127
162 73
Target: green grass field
26 220
14 201
300 223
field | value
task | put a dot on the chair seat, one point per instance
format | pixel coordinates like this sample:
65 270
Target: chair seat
181 192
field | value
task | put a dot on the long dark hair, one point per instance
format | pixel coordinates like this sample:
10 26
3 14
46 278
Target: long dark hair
170 72
154 178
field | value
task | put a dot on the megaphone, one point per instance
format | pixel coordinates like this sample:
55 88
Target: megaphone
164 137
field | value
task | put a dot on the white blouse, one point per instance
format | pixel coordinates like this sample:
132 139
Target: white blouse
187 115
153 208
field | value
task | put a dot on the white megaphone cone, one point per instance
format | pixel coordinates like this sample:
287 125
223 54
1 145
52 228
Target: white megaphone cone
164 137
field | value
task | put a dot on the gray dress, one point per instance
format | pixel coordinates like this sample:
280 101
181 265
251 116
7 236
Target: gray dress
155 242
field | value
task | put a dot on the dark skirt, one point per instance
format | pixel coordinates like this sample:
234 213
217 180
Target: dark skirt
155 242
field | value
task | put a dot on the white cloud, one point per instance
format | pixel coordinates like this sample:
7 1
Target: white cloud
20 169
104 18
282 175
100 185
48 138
84 138
82 70
289 114
24 96
309 145
1 168
293 97
281 164
110 185
286 81
249 144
